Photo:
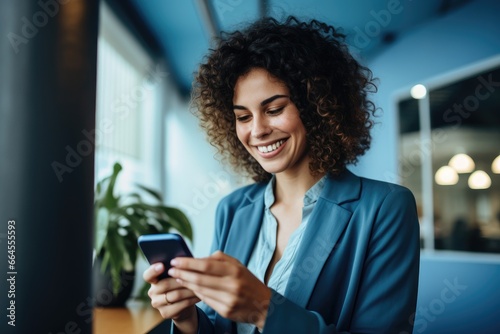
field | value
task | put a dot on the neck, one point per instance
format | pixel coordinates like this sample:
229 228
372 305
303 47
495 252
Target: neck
292 186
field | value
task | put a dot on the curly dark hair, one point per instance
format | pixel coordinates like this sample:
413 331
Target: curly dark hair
328 86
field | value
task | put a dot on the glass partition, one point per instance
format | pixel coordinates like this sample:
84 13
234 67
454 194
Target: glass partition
462 150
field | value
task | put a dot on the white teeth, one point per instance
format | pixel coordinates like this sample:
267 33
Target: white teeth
270 148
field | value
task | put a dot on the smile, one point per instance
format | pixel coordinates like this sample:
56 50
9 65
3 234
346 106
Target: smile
271 148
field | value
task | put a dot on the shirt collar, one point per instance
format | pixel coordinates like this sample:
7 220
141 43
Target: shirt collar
269 193
313 193
310 197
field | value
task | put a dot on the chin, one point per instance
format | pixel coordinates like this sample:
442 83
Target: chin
273 169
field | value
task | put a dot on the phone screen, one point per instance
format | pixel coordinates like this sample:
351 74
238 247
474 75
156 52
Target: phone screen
163 248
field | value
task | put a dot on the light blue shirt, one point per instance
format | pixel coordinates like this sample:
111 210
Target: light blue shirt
266 244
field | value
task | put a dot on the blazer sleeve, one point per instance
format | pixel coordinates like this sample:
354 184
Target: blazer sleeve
206 315
204 324
387 295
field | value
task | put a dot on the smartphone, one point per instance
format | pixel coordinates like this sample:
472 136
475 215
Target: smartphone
163 248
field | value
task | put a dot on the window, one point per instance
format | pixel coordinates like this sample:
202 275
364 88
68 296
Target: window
128 124
449 157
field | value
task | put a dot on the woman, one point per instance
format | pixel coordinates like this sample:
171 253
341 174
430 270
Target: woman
310 247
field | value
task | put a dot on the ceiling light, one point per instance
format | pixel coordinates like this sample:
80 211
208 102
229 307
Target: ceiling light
418 91
446 176
479 180
462 163
495 166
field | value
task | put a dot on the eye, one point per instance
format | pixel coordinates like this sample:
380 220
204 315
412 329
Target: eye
275 111
243 118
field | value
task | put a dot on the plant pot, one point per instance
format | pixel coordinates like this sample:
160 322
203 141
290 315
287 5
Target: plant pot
102 287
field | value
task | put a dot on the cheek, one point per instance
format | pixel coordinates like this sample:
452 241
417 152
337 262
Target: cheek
297 127
303 129
240 133
293 124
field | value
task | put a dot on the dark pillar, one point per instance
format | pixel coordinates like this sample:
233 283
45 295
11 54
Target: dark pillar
48 60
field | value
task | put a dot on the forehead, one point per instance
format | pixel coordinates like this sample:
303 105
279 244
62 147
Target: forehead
257 85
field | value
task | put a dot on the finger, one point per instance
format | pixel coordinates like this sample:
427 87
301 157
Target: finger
218 255
211 286
166 284
175 296
158 300
205 293
216 304
151 274
172 311
171 297
207 266
221 282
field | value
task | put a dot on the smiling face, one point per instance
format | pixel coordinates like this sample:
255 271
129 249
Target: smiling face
268 123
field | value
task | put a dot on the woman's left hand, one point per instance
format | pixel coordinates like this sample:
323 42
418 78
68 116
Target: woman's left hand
226 285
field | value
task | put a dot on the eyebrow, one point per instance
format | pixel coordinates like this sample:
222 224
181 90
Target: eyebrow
263 103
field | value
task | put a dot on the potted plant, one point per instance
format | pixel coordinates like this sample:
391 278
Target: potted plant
119 221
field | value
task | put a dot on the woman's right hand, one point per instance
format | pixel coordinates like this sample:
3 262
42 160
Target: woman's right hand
172 300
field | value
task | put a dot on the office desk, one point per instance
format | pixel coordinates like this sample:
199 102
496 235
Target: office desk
136 318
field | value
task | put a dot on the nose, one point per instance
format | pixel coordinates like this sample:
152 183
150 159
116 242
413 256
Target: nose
260 127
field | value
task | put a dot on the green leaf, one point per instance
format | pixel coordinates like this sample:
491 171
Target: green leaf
130 243
152 192
152 229
179 221
162 225
136 196
109 200
135 220
116 264
99 187
105 262
143 292
101 231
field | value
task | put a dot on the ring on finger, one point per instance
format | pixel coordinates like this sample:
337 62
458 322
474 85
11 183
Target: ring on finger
166 299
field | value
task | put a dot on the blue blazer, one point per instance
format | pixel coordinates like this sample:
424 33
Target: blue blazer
357 267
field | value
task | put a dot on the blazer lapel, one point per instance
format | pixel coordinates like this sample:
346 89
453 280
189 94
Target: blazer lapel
241 242
327 223
245 230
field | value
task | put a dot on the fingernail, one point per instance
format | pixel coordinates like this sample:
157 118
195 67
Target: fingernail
158 267
174 262
171 272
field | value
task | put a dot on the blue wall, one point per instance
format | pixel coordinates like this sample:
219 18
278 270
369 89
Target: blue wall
448 43
458 293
